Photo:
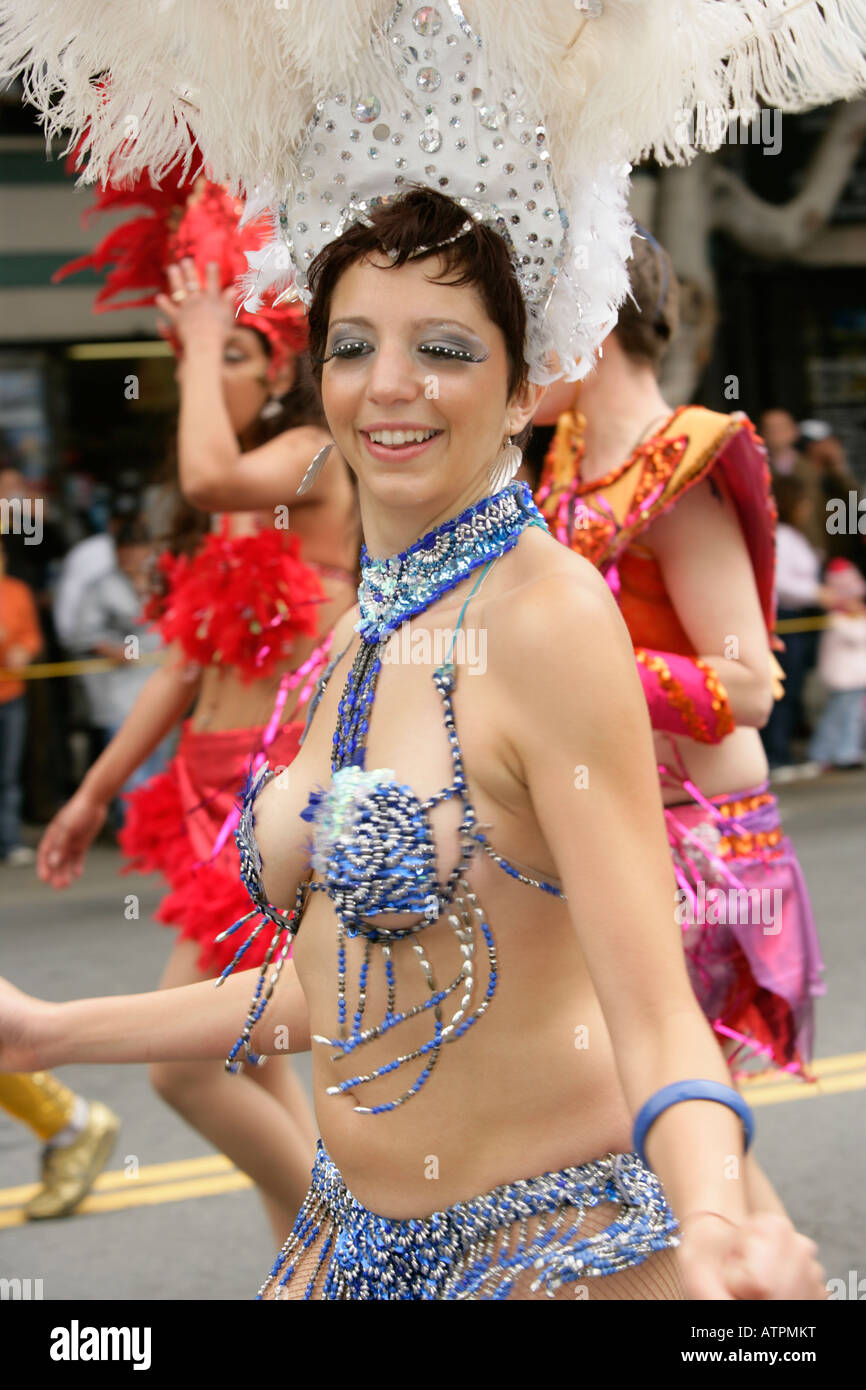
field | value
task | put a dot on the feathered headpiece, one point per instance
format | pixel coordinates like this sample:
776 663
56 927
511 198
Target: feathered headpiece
341 101
194 218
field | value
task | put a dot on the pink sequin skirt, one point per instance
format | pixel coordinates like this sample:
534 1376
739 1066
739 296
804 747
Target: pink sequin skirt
749 933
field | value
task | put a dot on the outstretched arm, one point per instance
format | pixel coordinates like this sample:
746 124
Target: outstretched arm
192 1023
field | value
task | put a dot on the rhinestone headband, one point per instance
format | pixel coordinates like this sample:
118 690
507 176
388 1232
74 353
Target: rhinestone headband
439 120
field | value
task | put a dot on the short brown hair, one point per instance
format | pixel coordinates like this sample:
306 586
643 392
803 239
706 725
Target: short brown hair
423 217
649 318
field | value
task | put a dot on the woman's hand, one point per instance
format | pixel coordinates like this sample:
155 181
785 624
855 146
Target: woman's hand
761 1258
23 1031
197 312
68 837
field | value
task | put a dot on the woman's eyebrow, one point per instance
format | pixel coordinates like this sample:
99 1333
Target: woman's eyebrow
361 322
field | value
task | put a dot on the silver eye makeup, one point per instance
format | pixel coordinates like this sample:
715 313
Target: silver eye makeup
354 348
452 353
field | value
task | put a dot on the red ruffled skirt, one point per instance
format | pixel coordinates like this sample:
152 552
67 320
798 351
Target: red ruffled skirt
172 824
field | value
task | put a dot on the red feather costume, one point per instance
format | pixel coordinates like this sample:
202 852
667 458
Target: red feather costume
241 602
197 219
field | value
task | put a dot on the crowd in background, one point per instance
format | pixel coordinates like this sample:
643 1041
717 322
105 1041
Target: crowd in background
820 591
79 593
75 594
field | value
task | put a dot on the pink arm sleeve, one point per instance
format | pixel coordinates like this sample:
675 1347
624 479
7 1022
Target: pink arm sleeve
685 696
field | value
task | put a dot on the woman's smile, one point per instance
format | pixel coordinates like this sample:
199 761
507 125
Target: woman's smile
399 440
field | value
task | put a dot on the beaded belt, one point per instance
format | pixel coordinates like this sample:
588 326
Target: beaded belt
468 1251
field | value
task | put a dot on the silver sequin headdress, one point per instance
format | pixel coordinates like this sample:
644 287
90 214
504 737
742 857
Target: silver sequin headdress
439 120
284 99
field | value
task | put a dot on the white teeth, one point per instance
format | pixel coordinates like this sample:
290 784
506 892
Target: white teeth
395 438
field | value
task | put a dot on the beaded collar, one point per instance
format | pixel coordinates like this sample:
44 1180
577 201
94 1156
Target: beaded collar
401 586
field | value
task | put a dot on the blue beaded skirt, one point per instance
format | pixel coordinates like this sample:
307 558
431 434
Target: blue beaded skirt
525 1239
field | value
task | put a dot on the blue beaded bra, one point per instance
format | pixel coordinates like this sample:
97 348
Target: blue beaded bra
372 842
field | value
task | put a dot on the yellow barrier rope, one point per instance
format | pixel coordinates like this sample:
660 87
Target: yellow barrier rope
802 624
44 669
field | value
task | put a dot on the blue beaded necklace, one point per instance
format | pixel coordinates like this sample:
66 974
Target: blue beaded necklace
401 586
372 840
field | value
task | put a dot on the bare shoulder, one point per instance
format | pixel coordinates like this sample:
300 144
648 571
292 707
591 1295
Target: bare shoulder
557 611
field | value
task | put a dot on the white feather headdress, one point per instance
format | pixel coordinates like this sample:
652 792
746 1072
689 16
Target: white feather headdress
241 78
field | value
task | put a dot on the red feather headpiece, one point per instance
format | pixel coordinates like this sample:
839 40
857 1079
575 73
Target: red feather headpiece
194 218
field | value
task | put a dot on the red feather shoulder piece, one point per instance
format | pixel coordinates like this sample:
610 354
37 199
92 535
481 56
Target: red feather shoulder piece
239 602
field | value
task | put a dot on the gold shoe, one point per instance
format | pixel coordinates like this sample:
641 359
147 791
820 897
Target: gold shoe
69 1172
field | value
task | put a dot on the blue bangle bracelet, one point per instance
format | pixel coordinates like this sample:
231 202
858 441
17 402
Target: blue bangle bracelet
689 1090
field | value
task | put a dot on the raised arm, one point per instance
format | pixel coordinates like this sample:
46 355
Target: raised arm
579 704
213 472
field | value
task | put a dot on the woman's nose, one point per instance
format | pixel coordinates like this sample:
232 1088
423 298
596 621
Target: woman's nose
394 376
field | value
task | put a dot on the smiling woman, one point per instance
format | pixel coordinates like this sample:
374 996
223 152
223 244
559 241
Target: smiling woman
408 934
505 1013
493 1005
469 363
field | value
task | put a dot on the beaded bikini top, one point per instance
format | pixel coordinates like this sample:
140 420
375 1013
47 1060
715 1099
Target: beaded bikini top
372 841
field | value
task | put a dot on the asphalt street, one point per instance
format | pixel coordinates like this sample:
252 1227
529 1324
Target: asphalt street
194 1229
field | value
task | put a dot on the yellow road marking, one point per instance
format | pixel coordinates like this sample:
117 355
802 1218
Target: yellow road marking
824 1066
144 1196
150 1173
827 1086
213 1174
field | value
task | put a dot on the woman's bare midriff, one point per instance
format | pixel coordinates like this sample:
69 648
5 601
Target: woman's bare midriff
732 766
225 701
532 1086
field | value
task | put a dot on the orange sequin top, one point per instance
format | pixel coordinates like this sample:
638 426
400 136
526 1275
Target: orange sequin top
646 605
604 518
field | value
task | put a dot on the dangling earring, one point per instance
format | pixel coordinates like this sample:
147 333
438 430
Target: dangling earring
314 470
505 465
272 408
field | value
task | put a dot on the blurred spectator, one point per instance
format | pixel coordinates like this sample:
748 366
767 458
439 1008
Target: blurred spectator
781 434
838 740
20 642
800 595
86 561
825 453
34 554
108 624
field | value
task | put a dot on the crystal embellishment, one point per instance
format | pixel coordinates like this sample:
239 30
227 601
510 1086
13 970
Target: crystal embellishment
497 122
368 109
427 21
